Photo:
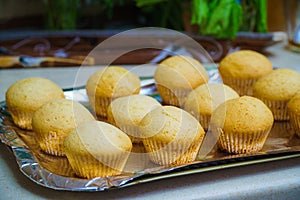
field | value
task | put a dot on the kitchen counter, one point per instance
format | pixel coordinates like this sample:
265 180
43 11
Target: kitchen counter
271 180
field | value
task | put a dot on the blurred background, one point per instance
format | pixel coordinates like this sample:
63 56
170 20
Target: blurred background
72 28
124 14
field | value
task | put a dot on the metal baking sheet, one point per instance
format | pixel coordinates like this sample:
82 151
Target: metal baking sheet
56 173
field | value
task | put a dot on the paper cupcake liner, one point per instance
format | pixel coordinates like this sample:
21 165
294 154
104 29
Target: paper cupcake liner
51 144
242 87
57 164
172 97
87 166
204 121
22 119
295 122
172 153
64 168
278 109
283 129
138 159
132 132
101 105
241 143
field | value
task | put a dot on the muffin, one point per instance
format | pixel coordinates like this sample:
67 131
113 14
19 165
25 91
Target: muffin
293 107
241 69
242 125
108 84
97 149
127 112
177 76
276 89
25 96
171 135
205 98
55 120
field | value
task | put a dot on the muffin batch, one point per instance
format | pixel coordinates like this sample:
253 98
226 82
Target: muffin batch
238 114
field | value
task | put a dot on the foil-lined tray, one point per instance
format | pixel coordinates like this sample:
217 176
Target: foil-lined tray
56 173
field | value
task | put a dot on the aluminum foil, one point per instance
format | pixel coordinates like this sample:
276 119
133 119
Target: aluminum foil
56 173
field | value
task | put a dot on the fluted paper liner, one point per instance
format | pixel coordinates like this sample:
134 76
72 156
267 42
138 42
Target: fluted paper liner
52 143
132 132
90 167
242 142
204 121
22 119
100 106
241 86
278 109
295 121
175 152
172 96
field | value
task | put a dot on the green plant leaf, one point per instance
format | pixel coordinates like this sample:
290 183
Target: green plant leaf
219 18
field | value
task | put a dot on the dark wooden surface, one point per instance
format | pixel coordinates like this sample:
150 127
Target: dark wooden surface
73 44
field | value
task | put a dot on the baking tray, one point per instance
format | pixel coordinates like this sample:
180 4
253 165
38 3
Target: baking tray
56 173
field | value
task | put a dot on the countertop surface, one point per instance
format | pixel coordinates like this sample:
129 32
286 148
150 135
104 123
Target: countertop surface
271 180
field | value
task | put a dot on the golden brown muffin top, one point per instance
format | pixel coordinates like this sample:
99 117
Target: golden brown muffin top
169 123
245 64
280 85
294 104
131 109
98 139
243 114
113 81
60 116
31 93
205 98
180 72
